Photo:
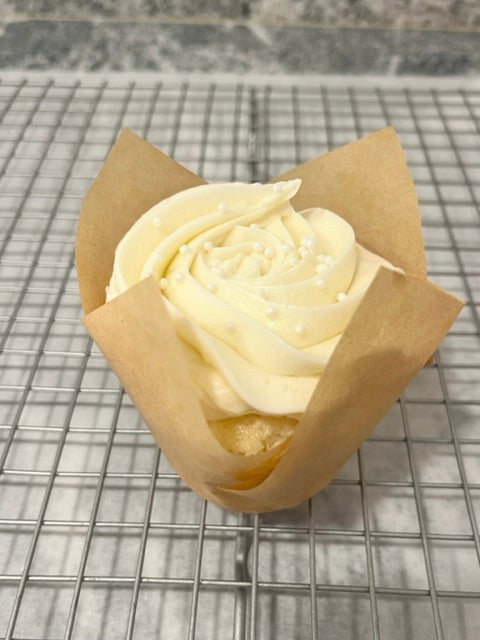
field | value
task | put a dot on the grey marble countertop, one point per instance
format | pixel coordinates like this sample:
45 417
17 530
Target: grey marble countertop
233 47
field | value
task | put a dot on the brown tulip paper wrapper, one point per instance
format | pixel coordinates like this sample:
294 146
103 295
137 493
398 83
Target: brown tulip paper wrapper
397 326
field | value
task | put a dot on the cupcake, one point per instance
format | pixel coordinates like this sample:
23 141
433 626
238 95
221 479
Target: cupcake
261 330
259 295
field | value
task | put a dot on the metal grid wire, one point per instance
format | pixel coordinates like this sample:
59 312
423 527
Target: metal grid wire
98 536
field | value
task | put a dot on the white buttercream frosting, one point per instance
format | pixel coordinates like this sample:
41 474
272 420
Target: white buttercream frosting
259 293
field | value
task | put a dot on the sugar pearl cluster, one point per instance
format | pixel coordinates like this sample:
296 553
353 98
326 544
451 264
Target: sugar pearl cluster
278 274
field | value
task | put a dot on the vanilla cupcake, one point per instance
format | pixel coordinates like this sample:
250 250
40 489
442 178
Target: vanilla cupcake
259 295
260 330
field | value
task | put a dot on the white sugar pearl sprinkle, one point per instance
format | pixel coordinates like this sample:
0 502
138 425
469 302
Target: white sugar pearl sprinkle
269 252
218 270
222 208
163 283
208 245
254 225
180 276
157 222
288 248
299 329
271 311
303 252
341 296
321 267
308 243
212 287
257 246
292 261
184 249
320 283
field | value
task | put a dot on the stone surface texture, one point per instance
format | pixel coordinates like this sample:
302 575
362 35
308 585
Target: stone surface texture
431 14
426 37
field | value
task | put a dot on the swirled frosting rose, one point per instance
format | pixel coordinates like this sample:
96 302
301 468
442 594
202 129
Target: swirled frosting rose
259 293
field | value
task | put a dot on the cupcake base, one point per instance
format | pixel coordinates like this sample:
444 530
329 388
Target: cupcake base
253 433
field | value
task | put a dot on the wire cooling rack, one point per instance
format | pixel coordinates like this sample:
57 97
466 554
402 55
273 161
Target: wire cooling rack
98 536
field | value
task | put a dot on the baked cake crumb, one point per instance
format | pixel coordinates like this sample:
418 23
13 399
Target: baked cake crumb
253 434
